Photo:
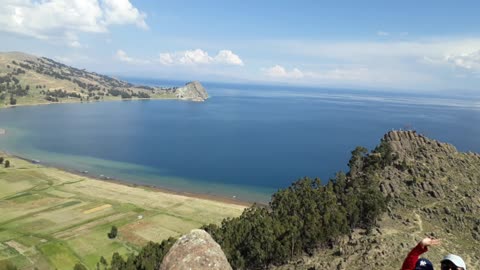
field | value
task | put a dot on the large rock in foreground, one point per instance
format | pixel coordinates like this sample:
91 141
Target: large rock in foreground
196 250
192 91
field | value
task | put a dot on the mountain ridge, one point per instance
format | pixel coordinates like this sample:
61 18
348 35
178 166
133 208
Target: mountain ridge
28 80
433 190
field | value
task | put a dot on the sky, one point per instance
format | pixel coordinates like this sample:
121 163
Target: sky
402 45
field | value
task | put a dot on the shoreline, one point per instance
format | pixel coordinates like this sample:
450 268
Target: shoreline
79 102
209 197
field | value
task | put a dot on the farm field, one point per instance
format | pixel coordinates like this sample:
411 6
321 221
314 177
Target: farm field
52 219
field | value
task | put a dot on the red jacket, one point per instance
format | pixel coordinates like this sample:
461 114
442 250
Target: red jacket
412 257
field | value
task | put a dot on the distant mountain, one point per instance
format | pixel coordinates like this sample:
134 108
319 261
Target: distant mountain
26 80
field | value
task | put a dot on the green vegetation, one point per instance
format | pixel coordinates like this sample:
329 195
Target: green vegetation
52 219
149 258
299 219
113 233
25 79
7 163
303 217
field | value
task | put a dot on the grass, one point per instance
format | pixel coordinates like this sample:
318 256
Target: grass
53 219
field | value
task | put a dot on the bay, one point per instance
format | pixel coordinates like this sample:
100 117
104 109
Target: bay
246 141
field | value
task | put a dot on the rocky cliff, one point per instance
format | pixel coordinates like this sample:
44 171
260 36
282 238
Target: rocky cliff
192 91
433 190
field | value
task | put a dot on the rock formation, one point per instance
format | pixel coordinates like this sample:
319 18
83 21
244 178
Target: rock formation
196 250
434 190
192 91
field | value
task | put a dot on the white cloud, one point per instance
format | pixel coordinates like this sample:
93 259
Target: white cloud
197 56
72 40
166 59
382 33
278 71
123 12
200 57
122 56
53 18
335 74
469 61
228 57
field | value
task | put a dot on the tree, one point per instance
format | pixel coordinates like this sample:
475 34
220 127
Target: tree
7 163
356 161
113 233
13 101
117 262
1 160
79 266
103 262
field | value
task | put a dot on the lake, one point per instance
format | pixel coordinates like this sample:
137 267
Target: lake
246 141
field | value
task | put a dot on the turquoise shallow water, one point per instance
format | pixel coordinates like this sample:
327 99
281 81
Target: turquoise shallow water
246 141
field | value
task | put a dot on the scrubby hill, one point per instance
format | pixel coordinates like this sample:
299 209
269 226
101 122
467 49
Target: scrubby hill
27 79
433 190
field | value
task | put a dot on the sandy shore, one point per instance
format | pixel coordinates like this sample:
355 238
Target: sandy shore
210 197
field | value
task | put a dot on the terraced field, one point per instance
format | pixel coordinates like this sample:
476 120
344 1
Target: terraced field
52 219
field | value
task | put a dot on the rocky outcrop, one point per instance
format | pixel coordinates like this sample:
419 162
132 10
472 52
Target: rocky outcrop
433 190
192 91
196 250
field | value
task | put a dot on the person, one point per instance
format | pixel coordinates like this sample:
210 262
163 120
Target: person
423 264
449 262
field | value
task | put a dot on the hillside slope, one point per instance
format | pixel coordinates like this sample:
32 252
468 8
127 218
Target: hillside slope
433 190
26 79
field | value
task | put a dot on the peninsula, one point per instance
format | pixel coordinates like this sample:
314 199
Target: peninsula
30 80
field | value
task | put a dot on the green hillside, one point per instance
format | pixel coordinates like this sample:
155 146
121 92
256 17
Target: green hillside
28 80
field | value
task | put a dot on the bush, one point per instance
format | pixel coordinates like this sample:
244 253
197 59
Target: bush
1 160
13 101
150 257
113 233
7 163
79 266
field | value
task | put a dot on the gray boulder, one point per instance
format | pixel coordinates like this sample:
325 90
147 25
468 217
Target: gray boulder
196 250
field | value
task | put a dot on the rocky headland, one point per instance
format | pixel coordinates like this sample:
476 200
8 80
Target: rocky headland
193 91
432 190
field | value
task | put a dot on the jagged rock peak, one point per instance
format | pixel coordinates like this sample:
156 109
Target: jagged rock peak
196 250
410 140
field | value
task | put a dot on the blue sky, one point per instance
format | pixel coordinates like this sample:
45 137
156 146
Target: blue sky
403 45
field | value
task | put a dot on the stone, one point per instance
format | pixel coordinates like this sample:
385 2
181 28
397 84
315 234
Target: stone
196 250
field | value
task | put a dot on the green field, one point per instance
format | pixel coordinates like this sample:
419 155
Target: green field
52 219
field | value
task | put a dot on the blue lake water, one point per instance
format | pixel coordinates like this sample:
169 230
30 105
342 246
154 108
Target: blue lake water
245 141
